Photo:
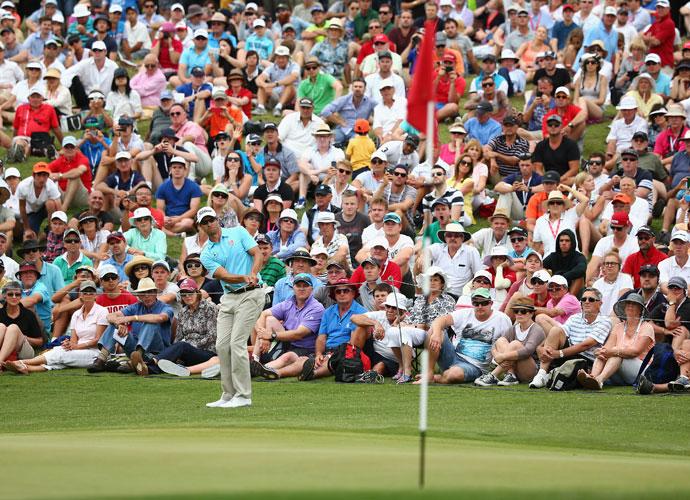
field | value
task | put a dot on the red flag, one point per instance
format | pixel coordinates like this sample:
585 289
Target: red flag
422 89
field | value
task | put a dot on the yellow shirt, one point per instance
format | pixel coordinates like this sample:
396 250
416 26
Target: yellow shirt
468 198
359 151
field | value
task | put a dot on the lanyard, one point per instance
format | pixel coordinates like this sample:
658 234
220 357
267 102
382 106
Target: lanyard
672 142
534 22
558 226
524 196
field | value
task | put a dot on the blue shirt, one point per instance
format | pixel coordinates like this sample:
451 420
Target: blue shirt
138 309
187 90
177 201
94 152
345 107
262 45
51 277
535 180
560 32
663 84
230 253
482 132
192 58
258 158
214 42
296 240
309 315
338 329
283 289
34 44
44 308
120 267
610 39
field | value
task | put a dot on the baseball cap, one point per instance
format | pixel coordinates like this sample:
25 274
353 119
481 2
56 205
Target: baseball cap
484 107
69 140
282 51
640 135
541 275
412 140
623 198
679 282
201 33
441 201
509 120
610 11
645 229
197 71
558 280
98 45
303 278
270 125
123 155
562 90
653 57
323 189
681 235
481 293
305 102
392 216
554 118
629 152
107 269
60 215
262 238
205 212
620 219
12 172
188 285
117 236
288 213
87 285
259 23
551 176
519 230
40 167
253 139
649 269
362 126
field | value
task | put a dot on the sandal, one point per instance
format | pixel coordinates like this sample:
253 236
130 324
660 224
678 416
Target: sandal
17 367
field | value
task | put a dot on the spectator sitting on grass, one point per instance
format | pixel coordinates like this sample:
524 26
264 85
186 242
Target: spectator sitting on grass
300 262
35 295
20 332
73 258
288 237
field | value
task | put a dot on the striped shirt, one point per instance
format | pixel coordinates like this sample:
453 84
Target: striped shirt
578 329
454 196
498 145
272 271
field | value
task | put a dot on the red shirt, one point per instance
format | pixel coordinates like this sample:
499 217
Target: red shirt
507 274
668 142
635 261
571 112
390 274
62 165
664 30
443 88
368 49
247 108
164 55
115 304
28 120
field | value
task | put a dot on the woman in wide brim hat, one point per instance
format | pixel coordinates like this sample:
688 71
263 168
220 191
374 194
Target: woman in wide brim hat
30 245
135 272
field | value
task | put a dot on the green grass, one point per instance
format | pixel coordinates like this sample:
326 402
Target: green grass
110 435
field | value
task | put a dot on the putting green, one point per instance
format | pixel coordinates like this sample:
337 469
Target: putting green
246 460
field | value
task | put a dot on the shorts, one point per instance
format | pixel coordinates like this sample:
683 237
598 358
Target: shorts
25 351
390 366
300 351
81 197
36 218
627 372
449 358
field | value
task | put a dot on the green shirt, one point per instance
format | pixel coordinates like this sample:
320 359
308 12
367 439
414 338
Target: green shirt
321 91
68 271
154 247
272 271
362 22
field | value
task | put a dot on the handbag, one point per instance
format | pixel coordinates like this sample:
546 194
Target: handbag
70 123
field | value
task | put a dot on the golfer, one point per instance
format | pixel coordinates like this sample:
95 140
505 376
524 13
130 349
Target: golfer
232 256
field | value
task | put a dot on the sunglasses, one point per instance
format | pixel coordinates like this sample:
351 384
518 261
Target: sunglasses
97 50
176 113
466 163
140 268
674 287
193 265
110 277
480 303
72 241
309 68
643 237
344 171
517 239
591 62
483 281
537 281
556 203
555 288
32 250
220 195
342 291
15 295
617 228
611 264
208 220
628 158
588 299
487 84
375 27
438 174
232 158
143 219
376 161
400 174
522 311
595 162
288 220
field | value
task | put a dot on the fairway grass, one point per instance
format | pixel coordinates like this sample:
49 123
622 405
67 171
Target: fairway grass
70 435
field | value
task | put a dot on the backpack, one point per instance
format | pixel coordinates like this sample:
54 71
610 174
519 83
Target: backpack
564 378
662 369
348 362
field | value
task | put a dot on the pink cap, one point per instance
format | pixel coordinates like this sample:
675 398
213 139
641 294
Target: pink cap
188 285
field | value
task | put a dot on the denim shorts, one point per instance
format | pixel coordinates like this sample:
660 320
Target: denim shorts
449 358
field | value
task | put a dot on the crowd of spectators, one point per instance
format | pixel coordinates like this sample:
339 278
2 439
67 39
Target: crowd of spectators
149 124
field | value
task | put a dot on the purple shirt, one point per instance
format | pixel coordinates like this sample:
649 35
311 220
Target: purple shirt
309 315
569 304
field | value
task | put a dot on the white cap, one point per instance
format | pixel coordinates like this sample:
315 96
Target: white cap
663 3
96 93
141 212
288 213
483 273
178 159
200 32
123 155
379 242
12 172
205 212
107 269
98 45
326 218
558 280
508 54
219 92
115 8
251 6
69 140
397 300
81 10
379 155
679 234
318 250
542 275
386 82
34 65
181 25
59 214
628 102
7 15
652 58
177 6
259 23
610 11
59 18
446 3
564 90
282 51
8 3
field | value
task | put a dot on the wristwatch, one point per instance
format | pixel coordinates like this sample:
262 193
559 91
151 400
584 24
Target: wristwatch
274 336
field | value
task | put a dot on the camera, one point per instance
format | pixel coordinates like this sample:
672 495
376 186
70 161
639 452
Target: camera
251 127
415 40
633 74
390 170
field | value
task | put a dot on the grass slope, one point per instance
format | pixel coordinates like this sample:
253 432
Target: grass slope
94 436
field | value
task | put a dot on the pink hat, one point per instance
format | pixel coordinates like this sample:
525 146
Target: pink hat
188 285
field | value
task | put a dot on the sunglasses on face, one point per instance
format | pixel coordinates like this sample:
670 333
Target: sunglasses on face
556 203
629 158
140 268
193 265
376 161
466 163
220 195
643 237
517 239
554 288
344 171
232 158
483 281
288 220
487 84
595 162
611 264
400 174
110 277
309 68
617 228
143 219
150 66
13 295
72 241
208 220
522 311
176 113
342 291
480 303
438 174
588 299
674 287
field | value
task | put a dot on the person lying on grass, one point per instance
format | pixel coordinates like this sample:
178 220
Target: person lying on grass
87 325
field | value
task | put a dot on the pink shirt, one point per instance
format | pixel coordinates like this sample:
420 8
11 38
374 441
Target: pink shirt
149 87
85 327
569 304
191 128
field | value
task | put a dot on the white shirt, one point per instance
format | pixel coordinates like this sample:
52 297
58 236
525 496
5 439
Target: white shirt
318 160
10 72
394 154
121 104
460 268
21 90
11 266
373 86
382 346
370 64
669 268
546 231
295 136
387 116
370 233
611 291
91 77
605 244
25 191
484 240
639 214
136 34
622 133
590 22
403 242
629 32
86 327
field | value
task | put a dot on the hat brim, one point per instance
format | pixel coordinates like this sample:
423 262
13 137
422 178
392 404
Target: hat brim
487 259
619 308
310 259
135 262
441 235
22 251
335 287
18 274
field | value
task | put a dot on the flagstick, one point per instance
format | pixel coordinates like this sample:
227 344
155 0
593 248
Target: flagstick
423 395
430 117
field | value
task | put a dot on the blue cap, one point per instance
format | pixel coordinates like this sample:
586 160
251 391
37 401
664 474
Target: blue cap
166 94
304 278
393 217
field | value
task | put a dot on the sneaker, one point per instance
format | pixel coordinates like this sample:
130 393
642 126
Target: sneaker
171 368
277 111
301 203
397 376
236 402
645 386
405 379
540 380
307 370
216 404
112 365
97 366
254 368
370 377
509 379
486 380
136 361
260 110
681 384
211 371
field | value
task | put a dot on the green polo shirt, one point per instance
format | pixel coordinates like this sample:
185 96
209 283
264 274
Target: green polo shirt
154 247
68 271
320 91
272 271
362 22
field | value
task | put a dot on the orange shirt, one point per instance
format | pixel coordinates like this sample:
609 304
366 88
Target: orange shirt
219 122
535 205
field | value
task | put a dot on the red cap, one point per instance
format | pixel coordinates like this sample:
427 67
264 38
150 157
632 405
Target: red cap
623 198
686 45
568 6
362 126
620 219
380 38
449 56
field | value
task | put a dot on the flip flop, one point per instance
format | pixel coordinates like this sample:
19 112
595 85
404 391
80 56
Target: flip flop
581 377
591 384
